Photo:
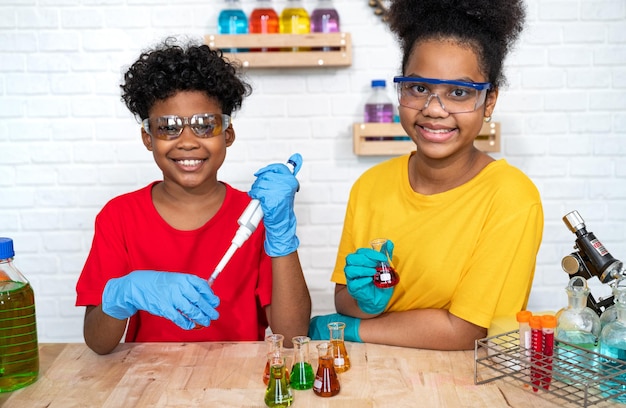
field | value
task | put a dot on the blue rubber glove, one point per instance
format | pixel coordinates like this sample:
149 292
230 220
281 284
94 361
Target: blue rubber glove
182 298
360 269
276 187
318 327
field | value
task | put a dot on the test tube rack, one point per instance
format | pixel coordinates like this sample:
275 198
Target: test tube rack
579 377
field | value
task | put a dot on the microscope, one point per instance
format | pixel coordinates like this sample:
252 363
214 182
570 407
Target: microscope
590 259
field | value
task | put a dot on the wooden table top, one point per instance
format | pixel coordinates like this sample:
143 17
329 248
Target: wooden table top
230 375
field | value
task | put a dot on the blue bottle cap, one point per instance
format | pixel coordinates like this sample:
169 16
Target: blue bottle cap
6 248
379 82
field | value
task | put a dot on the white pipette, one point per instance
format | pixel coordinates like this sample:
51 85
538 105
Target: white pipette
248 222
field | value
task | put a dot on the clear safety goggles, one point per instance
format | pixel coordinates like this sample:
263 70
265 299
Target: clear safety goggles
453 96
170 127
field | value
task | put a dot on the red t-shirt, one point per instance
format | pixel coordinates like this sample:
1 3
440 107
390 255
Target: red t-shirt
130 235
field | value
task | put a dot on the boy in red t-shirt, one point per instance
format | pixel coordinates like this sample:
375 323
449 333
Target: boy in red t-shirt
154 249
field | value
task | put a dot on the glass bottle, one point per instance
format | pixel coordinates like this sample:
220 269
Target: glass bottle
619 291
19 351
294 19
232 20
613 344
274 345
386 276
378 107
339 352
326 382
302 375
324 19
579 325
278 393
263 20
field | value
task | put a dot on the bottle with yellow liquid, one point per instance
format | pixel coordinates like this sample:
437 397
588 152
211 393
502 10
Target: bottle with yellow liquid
294 19
19 351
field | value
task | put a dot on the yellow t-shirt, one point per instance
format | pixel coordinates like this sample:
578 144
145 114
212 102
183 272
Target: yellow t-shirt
471 250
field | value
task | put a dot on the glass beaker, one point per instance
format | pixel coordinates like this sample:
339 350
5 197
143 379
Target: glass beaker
278 393
302 375
386 276
341 360
274 345
326 381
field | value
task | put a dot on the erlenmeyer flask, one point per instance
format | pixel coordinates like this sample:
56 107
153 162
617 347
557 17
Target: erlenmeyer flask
386 275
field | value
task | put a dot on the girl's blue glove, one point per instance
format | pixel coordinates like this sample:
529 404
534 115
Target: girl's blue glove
183 298
318 328
360 269
275 187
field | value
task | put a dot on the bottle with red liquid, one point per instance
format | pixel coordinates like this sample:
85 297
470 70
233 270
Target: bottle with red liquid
326 382
386 276
263 20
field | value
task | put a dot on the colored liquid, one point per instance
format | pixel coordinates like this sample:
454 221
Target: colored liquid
263 21
574 366
302 376
611 387
325 21
277 393
385 277
19 352
232 21
266 373
341 360
294 21
379 112
326 382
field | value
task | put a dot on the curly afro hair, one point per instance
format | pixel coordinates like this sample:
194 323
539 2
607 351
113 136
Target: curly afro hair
489 27
168 68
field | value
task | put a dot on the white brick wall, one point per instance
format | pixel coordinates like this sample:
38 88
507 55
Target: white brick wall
67 143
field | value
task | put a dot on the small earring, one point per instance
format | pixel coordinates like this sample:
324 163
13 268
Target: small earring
487 119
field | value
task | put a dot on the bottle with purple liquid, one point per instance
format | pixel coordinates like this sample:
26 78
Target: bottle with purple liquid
324 19
378 107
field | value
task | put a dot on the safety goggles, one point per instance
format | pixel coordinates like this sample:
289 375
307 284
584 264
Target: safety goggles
170 127
453 96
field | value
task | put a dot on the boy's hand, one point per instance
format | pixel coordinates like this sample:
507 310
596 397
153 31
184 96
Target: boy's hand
276 187
184 299
360 269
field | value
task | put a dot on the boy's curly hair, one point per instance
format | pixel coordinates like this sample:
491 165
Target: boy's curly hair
489 27
168 68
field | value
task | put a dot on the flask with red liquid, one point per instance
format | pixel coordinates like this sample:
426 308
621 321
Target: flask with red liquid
386 276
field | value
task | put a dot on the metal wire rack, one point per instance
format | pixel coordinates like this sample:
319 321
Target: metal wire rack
573 374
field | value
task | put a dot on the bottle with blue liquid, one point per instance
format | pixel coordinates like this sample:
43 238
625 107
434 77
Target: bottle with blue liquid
579 325
232 20
613 344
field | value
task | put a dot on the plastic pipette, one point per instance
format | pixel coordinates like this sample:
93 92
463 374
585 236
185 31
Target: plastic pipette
248 222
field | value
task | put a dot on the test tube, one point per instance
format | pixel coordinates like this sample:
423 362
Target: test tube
548 323
524 340
536 340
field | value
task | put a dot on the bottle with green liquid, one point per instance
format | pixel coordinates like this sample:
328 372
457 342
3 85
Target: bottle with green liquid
19 352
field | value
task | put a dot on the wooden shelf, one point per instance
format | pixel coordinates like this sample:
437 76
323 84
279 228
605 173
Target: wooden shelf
338 55
376 139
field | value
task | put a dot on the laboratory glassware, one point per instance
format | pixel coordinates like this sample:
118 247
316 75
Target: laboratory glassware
613 344
326 382
19 351
278 393
232 20
302 375
274 345
341 360
386 276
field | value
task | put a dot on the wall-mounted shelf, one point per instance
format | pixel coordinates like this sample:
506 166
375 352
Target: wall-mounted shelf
337 53
384 139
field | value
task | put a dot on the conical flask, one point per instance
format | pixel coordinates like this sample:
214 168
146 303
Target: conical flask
386 276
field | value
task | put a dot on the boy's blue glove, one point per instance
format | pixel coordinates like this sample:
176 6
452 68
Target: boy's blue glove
276 187
360 269
183 298
318 328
